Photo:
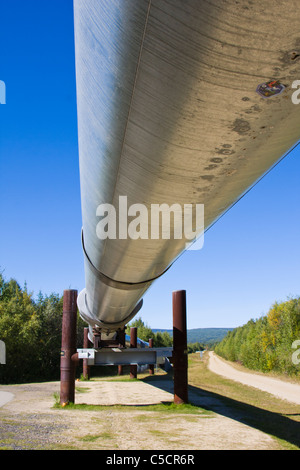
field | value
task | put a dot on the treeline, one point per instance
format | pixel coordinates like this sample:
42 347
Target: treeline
265 344
195 347
160 338
144 332
31 331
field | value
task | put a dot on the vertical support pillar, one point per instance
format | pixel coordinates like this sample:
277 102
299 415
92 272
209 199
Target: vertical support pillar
122 340
68 347
133 344
180 360
86 367
151 366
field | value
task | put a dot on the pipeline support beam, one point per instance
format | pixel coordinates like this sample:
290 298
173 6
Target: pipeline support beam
151 366
133 344
86 367
180 360
126 356
68 347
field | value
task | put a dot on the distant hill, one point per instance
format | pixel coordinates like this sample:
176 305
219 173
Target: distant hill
202 335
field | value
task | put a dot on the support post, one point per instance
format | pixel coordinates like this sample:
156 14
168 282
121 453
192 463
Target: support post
133 344
151 366
86 367
68 347
180 360
120 370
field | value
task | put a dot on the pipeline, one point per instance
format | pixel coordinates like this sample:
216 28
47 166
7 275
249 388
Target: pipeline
185 102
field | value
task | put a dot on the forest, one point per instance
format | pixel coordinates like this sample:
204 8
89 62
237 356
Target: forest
31 331
266 344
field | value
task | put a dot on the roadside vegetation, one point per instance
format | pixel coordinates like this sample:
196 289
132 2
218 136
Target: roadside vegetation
265 344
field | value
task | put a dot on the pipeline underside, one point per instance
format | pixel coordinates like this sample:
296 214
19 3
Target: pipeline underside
168 112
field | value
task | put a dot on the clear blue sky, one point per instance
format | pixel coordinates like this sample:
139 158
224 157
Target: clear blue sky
250 257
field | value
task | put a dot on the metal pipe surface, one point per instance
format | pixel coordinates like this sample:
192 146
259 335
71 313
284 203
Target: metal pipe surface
169 112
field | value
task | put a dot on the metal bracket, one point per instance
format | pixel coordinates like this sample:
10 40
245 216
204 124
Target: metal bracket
129 356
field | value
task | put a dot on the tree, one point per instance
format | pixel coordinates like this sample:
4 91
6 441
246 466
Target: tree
144 332
265 344
31 331
162 339
18 330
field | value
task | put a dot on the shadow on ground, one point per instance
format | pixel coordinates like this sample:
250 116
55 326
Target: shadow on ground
274 424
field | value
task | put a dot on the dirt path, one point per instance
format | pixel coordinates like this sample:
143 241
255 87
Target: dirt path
29 421
279 388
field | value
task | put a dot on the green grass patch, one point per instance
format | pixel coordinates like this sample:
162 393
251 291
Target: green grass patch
157 433
121 379
95 437
82 389
166 407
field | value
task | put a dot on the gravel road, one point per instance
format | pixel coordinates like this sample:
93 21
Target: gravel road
29 421
284 390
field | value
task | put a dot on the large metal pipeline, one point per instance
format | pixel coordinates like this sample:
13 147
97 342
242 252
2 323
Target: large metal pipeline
170 111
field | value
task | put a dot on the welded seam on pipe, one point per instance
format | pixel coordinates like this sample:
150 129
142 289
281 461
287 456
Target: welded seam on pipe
114 283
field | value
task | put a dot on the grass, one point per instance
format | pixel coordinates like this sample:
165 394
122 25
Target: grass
82 389
95 437
278 418
166 407
120 379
